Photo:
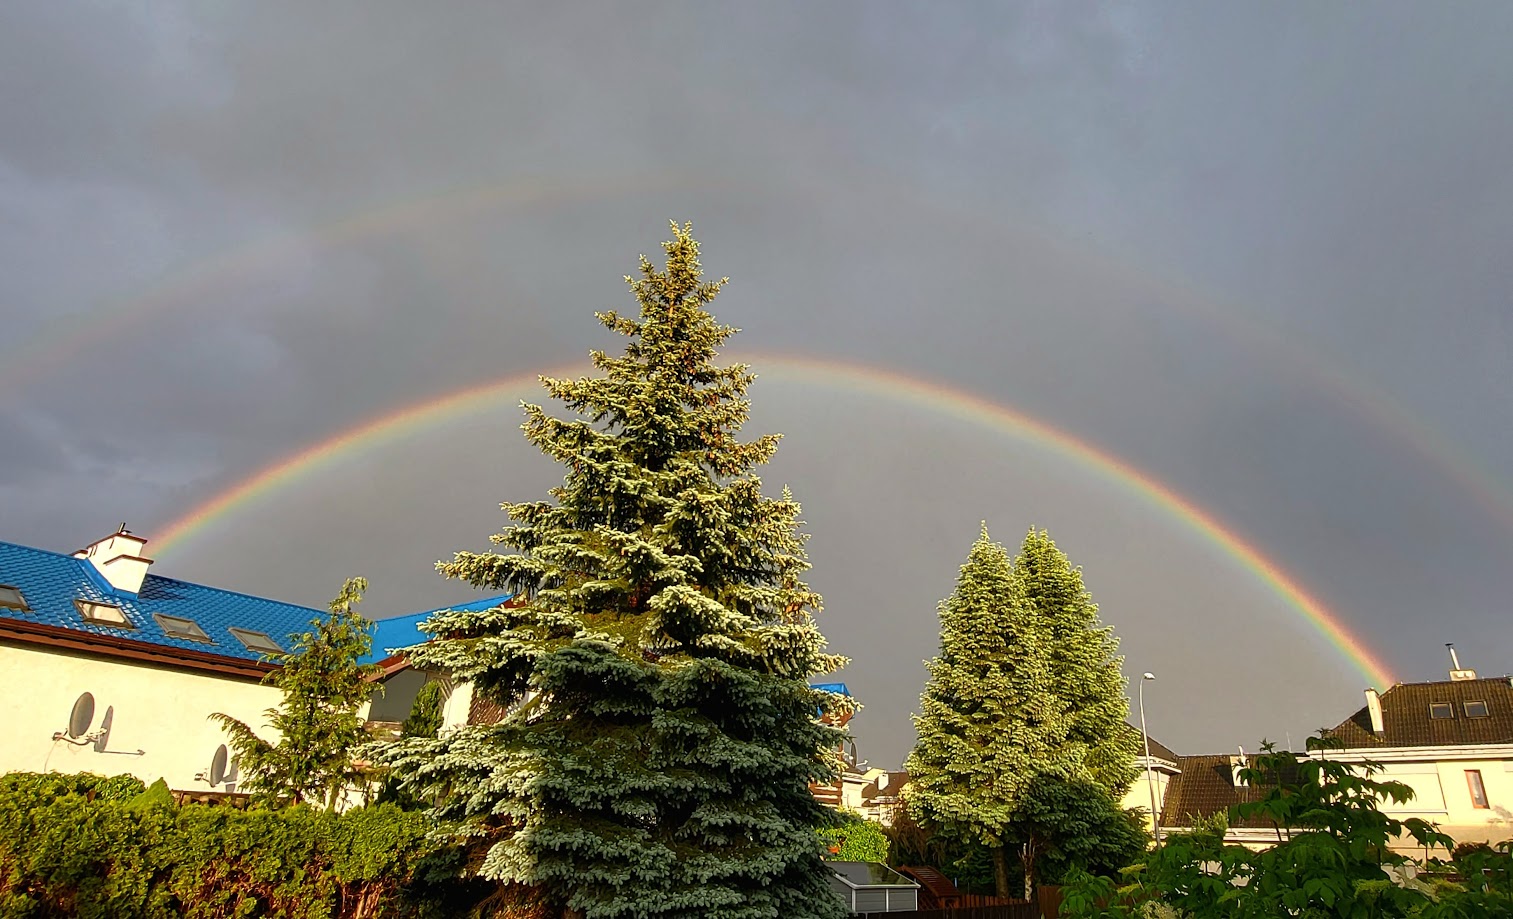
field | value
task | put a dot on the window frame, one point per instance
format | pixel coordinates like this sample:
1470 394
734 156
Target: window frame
84 606
1485 711
1478 788
203 637
23 606
1449 708
241 635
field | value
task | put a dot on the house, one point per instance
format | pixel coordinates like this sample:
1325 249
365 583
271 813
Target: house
401 683
1451 741
1156 773
120 669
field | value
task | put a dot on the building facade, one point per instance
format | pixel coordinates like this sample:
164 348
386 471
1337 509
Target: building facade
119 670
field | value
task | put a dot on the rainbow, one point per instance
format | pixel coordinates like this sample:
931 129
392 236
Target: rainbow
930 395
31 359
202 280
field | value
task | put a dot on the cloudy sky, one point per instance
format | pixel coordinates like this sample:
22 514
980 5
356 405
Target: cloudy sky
1256 255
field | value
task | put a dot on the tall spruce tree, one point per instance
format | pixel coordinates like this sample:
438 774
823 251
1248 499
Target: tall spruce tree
319 730
1025 700
1085 665
990 720
662 734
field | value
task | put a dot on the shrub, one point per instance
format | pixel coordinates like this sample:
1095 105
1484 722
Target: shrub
87 846
856 840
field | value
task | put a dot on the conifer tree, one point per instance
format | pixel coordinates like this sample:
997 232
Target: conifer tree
319 730
661 734
1025 700
1085 666
990 720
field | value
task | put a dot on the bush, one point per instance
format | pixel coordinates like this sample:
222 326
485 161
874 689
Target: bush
88 846
856 840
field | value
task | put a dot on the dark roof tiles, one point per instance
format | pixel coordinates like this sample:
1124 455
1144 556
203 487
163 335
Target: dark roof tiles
1406 721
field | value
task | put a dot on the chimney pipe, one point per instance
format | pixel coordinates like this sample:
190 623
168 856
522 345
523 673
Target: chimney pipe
1455 672
1374 709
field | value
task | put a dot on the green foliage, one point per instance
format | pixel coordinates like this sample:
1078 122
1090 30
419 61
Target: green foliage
1084 665
1024 700
856 840
1079 827
425 713
1332 858
662 733
319 729
64 853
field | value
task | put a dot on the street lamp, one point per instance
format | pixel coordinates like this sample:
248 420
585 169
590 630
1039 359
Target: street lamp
1150 778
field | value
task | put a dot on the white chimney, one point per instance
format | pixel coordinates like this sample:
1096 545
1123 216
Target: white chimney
1374 709
1236 763
1455 672
119 559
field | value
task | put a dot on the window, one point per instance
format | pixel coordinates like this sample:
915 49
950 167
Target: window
10 598
179 627
1478 790
103 614
1476 709
256 641
1441 710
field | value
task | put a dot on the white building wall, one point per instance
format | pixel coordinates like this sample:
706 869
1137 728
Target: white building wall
1139 794
160 711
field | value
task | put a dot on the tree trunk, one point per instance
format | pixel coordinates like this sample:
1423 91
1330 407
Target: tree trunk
1001 871
1027 861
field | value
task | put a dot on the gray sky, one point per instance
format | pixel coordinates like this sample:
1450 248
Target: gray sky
1258 254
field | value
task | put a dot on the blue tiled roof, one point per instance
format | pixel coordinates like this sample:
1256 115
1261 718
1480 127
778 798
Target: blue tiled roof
51 582
404 631
832 687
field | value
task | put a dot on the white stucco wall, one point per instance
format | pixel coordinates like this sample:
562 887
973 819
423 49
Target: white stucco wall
1443 795
1139 794
158 710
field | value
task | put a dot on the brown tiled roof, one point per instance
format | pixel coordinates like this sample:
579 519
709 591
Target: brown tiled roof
1159 750
1406 721
1206 787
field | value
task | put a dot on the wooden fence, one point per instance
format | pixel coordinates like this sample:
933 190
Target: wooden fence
1013 909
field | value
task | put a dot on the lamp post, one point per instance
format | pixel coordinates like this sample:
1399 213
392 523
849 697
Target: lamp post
1150 779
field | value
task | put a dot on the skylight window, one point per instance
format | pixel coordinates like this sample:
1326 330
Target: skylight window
103 614
1476 710
1439 710
179 627
260 642
10 598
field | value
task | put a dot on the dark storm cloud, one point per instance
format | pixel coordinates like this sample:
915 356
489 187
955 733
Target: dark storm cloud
1078 210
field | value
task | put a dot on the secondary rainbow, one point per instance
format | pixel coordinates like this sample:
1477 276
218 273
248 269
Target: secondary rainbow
931 395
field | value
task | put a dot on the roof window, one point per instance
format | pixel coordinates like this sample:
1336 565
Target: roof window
179 627
10 598
260 642
103 614
1439 710
1476 709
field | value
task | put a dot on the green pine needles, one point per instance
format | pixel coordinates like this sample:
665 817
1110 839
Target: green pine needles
1024 707
319 729
662 734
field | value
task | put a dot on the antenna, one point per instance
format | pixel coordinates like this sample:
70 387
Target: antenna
79 719
1454 658
102 736
216 774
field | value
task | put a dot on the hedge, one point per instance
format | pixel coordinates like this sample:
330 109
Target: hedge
89 846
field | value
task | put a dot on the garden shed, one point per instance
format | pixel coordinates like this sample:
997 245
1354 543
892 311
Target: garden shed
872 887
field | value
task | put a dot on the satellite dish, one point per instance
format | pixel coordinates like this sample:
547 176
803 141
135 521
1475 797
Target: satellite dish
218 766
82 716
102 736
